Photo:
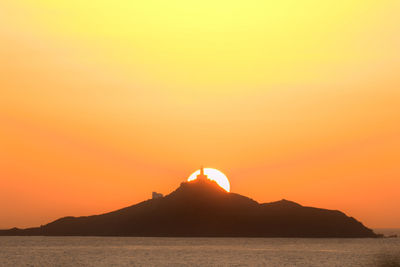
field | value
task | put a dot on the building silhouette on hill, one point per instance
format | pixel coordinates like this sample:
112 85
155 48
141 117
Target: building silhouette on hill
155 195
202 176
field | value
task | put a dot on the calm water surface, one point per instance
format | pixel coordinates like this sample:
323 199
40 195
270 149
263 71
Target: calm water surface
133 251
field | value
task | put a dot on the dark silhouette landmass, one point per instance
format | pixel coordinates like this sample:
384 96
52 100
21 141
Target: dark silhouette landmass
203 209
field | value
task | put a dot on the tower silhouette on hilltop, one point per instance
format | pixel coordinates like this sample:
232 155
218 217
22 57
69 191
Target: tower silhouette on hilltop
202 176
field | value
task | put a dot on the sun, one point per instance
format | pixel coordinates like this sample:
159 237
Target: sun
215 175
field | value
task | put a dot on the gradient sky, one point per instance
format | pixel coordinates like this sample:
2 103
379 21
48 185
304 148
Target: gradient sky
103 102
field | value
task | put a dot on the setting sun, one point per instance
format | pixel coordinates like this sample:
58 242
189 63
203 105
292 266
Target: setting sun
214 175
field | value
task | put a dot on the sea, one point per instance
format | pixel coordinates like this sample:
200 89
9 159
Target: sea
149 251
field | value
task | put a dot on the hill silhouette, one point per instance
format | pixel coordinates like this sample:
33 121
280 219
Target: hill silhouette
201 208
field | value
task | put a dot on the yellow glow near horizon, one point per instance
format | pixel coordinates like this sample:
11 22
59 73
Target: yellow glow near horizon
214 175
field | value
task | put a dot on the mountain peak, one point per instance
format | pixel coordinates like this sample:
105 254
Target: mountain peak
283 203
198 191
205 186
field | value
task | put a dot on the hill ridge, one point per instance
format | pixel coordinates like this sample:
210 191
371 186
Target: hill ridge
202 208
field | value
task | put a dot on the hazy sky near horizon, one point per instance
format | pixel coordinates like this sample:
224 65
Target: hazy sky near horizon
103 102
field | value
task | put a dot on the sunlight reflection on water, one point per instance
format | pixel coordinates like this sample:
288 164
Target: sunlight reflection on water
134 251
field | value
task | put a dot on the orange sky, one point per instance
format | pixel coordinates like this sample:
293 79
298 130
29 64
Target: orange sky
101 104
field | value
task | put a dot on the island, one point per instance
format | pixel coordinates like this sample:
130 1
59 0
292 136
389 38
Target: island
201 208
